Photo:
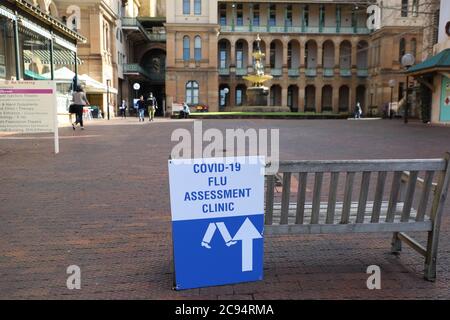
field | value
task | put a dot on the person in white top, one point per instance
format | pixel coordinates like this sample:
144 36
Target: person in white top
79 102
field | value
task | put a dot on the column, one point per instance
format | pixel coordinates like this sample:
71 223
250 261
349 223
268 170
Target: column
354 54
318 98
16 46
319 55
232 54
284 96
337 57
302 54
250 52
335 99
285 54
301 99
52 60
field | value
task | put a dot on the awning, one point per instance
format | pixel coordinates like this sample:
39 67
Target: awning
35 76
437 63
63 73
93 86
60 57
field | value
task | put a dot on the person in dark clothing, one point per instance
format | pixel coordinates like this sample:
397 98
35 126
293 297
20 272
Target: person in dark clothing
79 102
141 108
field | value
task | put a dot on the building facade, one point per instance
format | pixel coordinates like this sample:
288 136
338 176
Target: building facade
34 45
322 54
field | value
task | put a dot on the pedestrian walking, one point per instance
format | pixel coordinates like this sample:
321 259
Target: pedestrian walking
123 109
141 108
358 111
79 102
152 106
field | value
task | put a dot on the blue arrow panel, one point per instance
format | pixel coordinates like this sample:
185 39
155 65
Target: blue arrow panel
198 266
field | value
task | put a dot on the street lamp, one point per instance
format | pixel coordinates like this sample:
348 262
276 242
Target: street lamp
392 84
407 61
108 82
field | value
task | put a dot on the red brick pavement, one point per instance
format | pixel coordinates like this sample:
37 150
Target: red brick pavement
102 204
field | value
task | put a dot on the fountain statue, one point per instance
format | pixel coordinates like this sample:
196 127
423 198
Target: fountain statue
257 94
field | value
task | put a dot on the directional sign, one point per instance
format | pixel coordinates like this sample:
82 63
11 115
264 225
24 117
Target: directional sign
217 220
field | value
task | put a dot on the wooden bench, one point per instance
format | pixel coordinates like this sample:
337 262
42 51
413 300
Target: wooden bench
384 204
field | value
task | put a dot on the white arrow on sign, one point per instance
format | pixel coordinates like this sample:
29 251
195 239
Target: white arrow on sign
247 233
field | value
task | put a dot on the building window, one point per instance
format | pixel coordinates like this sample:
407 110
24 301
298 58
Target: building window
289 16
402 50
186 7
256 20
272 15
306 16
186 48
240 15
198 48
192 92
197 7
322 16
239 94
273 53
223 14
415 8
405 8
223 56
239 55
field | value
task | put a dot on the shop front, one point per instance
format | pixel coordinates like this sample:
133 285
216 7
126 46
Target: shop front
35 46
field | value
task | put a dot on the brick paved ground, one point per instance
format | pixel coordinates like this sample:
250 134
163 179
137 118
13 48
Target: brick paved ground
103 205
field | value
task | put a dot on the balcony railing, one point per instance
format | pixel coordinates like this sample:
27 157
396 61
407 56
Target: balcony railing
241 71
224 72
294 73
328 72
311 72
157 37
346 72
283 29
135 68
135 24
276 72
363 73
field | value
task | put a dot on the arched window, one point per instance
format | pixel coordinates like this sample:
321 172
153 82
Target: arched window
402 50
186 7
198 48
186 48
197 7
192 92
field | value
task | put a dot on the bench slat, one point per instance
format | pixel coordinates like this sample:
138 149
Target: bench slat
409 195
301 197
363 165
364 193
426 190
285 197
323 213
394 196
347 197
381 182
348 228
332 194
269 199
316 198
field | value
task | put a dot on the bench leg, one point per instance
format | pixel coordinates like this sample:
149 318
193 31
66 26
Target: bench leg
396 244
431 257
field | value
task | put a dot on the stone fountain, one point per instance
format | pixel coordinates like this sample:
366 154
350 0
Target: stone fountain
257 93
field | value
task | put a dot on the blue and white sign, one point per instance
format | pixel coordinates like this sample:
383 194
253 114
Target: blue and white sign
217 220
